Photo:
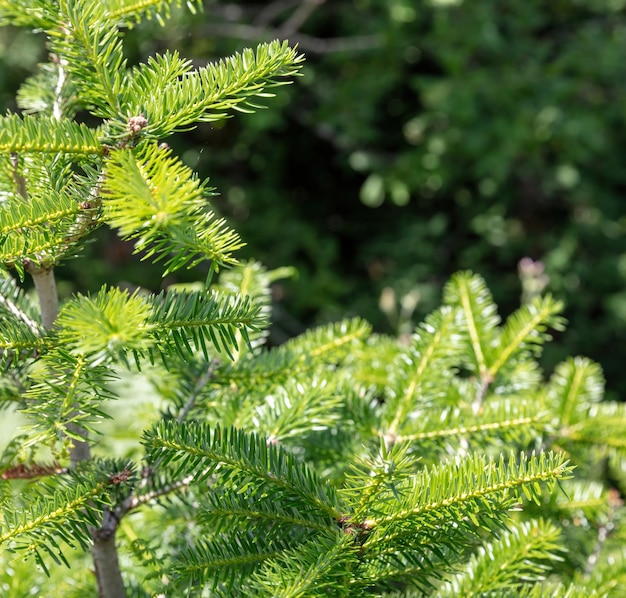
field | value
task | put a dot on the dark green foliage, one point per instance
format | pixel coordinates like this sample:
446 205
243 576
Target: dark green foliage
340 463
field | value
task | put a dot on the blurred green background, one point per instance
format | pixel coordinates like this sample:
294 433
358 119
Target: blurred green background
424 137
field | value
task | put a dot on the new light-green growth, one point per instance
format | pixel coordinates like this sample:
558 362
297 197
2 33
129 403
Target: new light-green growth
169 450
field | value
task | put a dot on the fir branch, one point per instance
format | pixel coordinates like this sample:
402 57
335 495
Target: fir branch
38 231
243 460
22 13
525 330
21 334
415 527
458 490
15 305
63 517
469 293
223 511
47 134
64 398
90 45
575 386
198 387
435 349
209 93
294 409
521 555
130 12
328 345
120 324
150 489
318 568
333 342
253 279
153 199
106 326
17 343
500 421
557 590
225 561
581 500
604 428
371 476
49 92
607 574
179 320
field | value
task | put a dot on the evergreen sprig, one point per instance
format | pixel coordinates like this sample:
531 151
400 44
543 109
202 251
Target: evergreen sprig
182 96
156 201
131 12
520 556
119 324
60 384
246 461
470 294
48 135
62 516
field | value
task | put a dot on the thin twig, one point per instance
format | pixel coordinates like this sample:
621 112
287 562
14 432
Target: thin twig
57 105
604 531
266 15
134 501
197 389
14 310
299 17
315 45
18 178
